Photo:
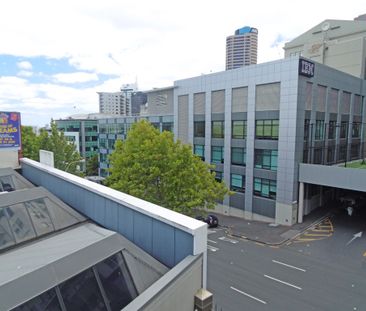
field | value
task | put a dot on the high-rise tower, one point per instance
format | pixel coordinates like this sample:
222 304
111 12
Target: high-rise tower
241 48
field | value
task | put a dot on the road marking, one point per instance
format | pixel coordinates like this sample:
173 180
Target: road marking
224 238
211 231
317 234
283 282
211 241
250 296
364 254
289 266
212 248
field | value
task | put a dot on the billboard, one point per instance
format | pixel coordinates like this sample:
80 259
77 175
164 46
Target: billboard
10 130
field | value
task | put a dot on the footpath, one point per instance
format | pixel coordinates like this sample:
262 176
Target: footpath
269 233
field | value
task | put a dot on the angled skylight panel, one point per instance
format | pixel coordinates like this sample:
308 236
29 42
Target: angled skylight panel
40 216
6 236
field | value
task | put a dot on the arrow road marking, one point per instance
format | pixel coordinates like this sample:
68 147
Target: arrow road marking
214 242
355 236
287 265
250 296
283 282
224 238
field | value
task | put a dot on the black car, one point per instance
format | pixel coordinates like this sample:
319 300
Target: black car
211 220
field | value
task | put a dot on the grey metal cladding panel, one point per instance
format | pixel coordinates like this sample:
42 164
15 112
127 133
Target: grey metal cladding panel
163 242
237 169
264 207
199 140
142 231
272 175
267 115
31 174
217 142
320 115
240 143
266 144
237 200
217 117
357 119
111 215
99 209
125 222
345 118
199 117
184 243
238 116
332 117
333 176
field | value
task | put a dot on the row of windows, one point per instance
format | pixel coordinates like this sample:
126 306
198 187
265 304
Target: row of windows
320 129
263 158
106 284
120 128
264 129
262 187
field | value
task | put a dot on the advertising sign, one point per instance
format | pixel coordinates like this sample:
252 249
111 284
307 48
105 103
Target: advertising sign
9 129
306 68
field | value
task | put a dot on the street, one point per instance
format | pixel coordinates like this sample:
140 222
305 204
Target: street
322 269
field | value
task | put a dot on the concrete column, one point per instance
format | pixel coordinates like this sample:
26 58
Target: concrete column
301 203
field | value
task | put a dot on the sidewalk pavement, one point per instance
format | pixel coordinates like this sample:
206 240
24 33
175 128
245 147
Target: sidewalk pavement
267 233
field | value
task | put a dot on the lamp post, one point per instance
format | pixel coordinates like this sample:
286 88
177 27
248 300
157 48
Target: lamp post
72 162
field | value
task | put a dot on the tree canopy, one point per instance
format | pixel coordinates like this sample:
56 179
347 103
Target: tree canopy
92 166
66 157
152 166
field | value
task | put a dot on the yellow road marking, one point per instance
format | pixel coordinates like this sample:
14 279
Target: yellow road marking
304 240
317 234
364 254
319 230
261 244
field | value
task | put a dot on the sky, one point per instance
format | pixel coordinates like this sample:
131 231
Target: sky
55 55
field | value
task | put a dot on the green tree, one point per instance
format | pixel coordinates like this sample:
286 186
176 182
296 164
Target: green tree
66 157
30 143
151 166
92 166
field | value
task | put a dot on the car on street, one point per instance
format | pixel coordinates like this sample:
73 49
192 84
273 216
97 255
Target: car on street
211 220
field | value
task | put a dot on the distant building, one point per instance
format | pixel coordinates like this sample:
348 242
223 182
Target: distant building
340 44
241 48
138 99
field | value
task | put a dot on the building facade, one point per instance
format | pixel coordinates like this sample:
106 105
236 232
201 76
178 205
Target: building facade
241 48
118 103
257 123
339 44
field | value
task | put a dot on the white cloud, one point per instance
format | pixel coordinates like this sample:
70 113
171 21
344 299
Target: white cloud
75 77
24 73
24 65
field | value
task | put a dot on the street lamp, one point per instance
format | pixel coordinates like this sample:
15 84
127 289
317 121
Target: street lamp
72 162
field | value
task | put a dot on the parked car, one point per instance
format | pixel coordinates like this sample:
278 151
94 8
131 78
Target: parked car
211 220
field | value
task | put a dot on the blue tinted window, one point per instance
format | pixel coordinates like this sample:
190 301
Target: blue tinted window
45 302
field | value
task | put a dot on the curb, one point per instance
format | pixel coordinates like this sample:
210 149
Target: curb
314 223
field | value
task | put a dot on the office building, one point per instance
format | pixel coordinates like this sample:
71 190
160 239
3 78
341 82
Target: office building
258 124
116 103
138 100
241 48
340 44
70 244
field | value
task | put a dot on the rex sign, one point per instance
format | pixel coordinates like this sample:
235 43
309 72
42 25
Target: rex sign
9 130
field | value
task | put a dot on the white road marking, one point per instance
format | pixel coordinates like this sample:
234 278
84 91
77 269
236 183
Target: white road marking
212 248
250 296
224 238
210 231
214 242
283 282
287 265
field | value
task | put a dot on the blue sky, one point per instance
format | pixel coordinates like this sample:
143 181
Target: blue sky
55 55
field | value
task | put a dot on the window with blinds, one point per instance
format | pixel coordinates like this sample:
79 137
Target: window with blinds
218 101
309 93
345 103
239 99
199 100
183 118
267 97
321 98
333 101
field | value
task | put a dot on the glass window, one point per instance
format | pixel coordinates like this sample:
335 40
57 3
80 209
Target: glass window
6 237
103 143
116 281
344 130
44 302
111 143
199 150
266 129
20 222
319 129
82 293
237 183
355 130
168 126
199 129
39 214
217 155
217 129
265 188
266 159
239 129
6 183
332 130
218 176
306 129
238 156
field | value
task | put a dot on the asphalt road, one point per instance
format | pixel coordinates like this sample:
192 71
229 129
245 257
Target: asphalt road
317 271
